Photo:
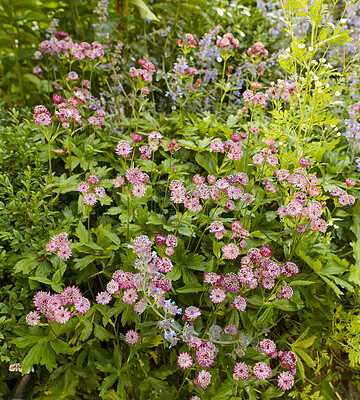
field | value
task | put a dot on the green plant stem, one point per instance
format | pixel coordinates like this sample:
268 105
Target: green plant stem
222 84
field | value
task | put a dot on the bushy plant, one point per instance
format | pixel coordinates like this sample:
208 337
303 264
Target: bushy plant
176 222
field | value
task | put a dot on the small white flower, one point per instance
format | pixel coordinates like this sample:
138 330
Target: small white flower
287 50
311 49
322 60
314 62
327 86
301 46
343 21
337 93
336 226
319 90
318 83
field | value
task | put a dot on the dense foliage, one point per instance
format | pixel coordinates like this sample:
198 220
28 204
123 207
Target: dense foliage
179 199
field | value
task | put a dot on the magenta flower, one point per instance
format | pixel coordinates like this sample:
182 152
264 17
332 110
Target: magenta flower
231 251
184 360
286 380
90 199
192 312
132 337
203 379
103 298
241 371
33 318
261 370
217 295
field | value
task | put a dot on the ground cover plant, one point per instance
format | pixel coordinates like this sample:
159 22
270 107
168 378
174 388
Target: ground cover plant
179 203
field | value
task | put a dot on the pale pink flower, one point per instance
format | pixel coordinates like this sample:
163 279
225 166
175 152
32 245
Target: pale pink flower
132 337
90 199
184 360
33 318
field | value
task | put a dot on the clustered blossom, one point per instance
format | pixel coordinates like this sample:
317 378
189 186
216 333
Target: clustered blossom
154 140
190 41
233 147
98 118
267 154
256 269
170 242
60 244
124 148
66 47
254 99
225 189
67 112
257 51
227 42
283 89
90 190
144 73
42 116
344 198
305 212
54 306
231 251
147 287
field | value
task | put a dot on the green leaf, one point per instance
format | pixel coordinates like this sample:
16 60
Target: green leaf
26 265
82 233
314 264
305 356
206 162
144 10
191 288
101 333
81 263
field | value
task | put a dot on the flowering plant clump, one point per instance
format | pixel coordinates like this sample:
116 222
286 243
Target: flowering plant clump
201 192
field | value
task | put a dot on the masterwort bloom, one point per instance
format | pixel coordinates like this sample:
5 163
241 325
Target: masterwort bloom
132 337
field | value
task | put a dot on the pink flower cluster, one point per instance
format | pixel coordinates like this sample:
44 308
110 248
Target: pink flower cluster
66 47
262 371
344 198
227 42
286 90
90 190
170 241
42 116
233 147
190 41
54 306
254 99
267 154
61 245
67 111
256 268
154 140
98 119
257 51
150 281
145 73
230 251
299 207
138 179
227 189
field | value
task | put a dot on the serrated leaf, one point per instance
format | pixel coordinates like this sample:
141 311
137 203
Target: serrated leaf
82 233
191 288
